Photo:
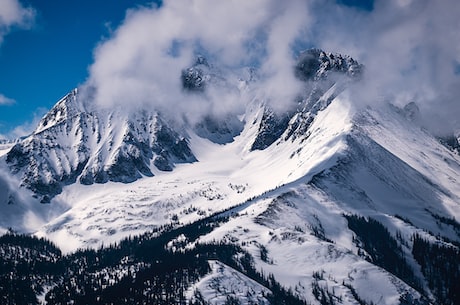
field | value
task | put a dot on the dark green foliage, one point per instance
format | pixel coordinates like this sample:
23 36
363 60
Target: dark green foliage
138 270
440 264
383 249
280 295
322 294
318 231
441 220
162 283
232 301
198 299
441 267
405 219
407 299
226 253
26 264
264 254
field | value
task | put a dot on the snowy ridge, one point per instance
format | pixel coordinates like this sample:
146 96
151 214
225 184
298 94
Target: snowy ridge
72 144
5 148
291 184
194 190
282 227
224 282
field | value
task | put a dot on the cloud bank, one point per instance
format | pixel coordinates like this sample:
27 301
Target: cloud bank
411 50
142 63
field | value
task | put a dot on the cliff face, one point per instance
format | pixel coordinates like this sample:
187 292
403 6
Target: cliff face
71 144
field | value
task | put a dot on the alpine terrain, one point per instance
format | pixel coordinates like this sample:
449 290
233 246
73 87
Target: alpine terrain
320 202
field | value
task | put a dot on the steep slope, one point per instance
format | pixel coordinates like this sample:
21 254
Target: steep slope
195 190
324 75
299 207
389 184
230 285
396 168
303 233
329 200
77 142
72 143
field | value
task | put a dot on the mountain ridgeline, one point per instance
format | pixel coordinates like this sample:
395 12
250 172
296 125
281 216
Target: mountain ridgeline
71 144
315 203
74 144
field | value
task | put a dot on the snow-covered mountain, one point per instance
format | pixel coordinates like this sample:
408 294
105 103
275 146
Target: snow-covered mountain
329 199
73 143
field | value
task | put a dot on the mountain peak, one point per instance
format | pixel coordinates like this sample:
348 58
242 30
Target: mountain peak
337 203
323 74
72 144
316 64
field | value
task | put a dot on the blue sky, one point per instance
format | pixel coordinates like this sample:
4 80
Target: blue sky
41 63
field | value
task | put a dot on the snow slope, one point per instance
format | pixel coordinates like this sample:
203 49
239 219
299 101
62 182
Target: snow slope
225 176
225 282
75 143
282 225
286 180
289 200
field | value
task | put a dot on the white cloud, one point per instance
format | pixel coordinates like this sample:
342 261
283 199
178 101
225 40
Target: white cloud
28 127
409 49
6 100
14 14
142 63
25 128
278 80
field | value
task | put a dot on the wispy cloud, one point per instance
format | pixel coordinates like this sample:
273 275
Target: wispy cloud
5 100
410 49
27 127
14 14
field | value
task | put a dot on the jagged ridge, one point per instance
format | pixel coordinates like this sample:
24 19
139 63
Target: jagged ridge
71 143
321 72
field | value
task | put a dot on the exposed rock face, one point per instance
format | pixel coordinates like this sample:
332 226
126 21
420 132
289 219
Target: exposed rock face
315 64
324 73
72 143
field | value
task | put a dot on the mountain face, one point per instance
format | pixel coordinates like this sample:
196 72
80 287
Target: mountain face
71 143
320 203
322 72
